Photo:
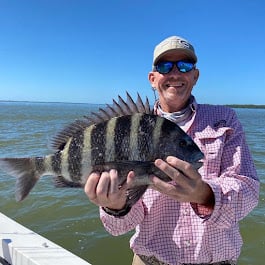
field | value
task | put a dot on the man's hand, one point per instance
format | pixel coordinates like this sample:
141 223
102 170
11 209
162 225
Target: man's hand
189 185
104 189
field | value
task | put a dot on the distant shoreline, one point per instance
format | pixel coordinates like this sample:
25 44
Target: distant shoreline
246 106
241 106
46 102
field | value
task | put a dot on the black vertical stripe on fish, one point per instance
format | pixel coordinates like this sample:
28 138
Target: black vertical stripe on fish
75 156
122 138
168 126
39 164
146 127
98 143
56 162
156 136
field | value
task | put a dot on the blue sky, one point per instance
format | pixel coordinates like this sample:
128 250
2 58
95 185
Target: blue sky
90 51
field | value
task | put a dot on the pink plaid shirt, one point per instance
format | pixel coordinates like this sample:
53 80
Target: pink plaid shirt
177 232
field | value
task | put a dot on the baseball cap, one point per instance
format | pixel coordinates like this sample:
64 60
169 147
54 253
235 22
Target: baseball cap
174 43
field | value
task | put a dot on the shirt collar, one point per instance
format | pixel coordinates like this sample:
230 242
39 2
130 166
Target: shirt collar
180 117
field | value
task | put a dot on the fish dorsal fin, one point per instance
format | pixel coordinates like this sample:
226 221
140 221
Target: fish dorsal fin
120 108
58 141
117 109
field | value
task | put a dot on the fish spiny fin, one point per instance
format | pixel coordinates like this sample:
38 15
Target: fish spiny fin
131 104
24 170
117 109
58 141
120 108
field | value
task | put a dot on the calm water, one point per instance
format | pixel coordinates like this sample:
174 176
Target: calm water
65 216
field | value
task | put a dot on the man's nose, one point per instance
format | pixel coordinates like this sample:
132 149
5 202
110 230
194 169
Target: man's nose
175 70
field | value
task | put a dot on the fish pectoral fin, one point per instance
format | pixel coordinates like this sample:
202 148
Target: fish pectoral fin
134 194
61 182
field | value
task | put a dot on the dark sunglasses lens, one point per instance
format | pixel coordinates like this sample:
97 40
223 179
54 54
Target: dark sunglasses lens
164 67
184 67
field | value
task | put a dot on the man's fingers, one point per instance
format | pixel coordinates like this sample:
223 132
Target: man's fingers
102 189
114 182
130 179
91 186
183 166
169 169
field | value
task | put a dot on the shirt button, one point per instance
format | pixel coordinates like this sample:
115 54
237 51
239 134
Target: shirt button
186 212
187 243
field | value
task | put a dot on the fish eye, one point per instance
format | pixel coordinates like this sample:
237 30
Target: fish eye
182 143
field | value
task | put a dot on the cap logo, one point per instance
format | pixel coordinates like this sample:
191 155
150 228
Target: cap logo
184 43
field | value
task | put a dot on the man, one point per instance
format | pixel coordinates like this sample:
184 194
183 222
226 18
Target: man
193 219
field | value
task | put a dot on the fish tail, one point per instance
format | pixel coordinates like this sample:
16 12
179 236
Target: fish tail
26 170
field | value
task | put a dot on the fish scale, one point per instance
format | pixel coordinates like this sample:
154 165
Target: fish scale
55 162
98 143
75 157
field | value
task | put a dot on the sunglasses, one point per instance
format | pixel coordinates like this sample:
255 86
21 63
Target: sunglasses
167 66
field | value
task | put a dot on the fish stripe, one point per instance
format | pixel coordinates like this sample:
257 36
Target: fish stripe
56 162
86 155
135 123
98 143
145 145
122 138
64 161
157 134
110 134
39 164
75 156
47 164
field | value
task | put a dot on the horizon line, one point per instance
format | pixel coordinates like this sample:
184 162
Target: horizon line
235 105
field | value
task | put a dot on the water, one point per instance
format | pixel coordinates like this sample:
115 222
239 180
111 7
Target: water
66 216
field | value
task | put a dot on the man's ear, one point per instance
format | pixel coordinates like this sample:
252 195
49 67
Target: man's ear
151 78
196 76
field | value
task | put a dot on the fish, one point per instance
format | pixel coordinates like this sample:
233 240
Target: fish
125 136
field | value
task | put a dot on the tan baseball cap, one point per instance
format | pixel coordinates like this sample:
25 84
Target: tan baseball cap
174 43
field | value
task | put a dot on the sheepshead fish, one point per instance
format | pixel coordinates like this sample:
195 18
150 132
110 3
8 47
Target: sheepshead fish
125 136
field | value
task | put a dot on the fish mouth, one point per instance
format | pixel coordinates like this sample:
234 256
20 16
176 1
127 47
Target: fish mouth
197 164
198 160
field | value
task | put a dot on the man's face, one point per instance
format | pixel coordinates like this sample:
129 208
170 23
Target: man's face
174 88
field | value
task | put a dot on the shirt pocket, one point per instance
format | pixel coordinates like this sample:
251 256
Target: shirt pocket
211 143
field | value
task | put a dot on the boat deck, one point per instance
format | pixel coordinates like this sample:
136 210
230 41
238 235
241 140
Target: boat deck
21 246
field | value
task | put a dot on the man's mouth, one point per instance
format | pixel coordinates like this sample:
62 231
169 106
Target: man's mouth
176 85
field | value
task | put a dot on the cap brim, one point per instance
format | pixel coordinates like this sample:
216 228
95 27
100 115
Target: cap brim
191 55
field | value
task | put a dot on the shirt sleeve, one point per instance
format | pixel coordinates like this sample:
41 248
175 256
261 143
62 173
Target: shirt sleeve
121 225
236 189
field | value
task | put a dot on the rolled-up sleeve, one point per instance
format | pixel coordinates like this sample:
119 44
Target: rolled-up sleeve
121 225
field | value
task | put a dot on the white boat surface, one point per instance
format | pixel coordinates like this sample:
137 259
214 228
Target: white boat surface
21 246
